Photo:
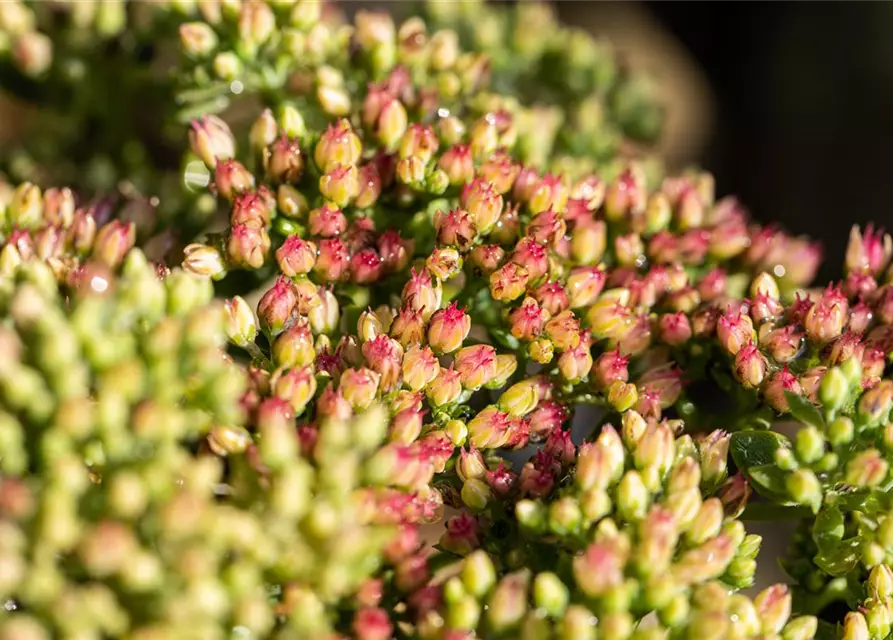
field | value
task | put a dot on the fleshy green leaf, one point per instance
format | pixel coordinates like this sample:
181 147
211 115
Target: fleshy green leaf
770 482
755 448
841 559
803 410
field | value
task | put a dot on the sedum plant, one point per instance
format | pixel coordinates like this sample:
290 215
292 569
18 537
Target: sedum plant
390 327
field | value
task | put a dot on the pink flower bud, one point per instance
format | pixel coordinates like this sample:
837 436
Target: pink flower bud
420 367
783 344
487 257
765 308
508 282
599 569
629 249
608 368
332 403
635 336
547 417
492 429
532 256
861 316
527 321
365 266
458 164
810 382
564 330
359 387
735 331
448 329
576 362
333 260
826 319
408 327
327 221
445 388
455 228
552 297
500 170
420 142
294 347
247 246
211 140
859 285
483 204
476 365
775 387
549 193
113 242
665 382
231 178
608 319
584 286
873 364
296 256
535 482
712 285
546 227
750 366
674 329
693 246
462 535
369 186
385 356
338 145
869 252
406 426
296 386
284 161
422 294
727 240
444 263
509 226
250 208
395 251
277 309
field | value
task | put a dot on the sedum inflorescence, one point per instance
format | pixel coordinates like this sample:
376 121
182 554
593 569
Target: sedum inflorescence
243 379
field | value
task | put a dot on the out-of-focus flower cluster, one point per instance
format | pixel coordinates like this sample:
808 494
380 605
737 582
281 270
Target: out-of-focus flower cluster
463 258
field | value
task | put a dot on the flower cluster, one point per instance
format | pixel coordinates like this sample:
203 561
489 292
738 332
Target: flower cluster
431 280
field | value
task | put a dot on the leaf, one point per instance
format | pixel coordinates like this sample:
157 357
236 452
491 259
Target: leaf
840 560
755 448
828 529
827 631
803 410
770 482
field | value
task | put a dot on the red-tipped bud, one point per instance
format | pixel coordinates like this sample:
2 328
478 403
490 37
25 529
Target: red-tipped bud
455 228
458 164
493 429
508 282
552 297
783 344
564 330
420 367
250 208
487 257
284 161
599 569
294 347
584 286
369 186
359 387
861 316
547 227
296 256
476 365
735 331
408 327
532 256
775 387
826 319
340 184
277 308
327 221
422 294
420 142
247 246
608 368
333 260
113 242
500 170
576 362
338 145
395 251
674 329
365 266
713 285
869 252
547 417
666 382
444 263
448 329
483 204
750 366
445 388
507 229
462 535
528 320
296 386
385 356
811 381
231 178
588 242
211 140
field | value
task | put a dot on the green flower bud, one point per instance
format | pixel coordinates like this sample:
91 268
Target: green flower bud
578 624
834 389
478 574
632 496
805 488
531 515
475 494
840 431
809 445
508 603
800 628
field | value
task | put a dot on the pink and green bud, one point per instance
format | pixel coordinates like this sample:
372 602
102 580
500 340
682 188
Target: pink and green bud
547 228
285 161
519 399
372 624
296 256
340 184
297 387
622 395
113 242
588 242
508 282
564 330
527 321
483 203
625 194
659 535
827 318
359 387
552 297
773 606
444 263
231 178
408 327
866 469
339 145
294 347
500 170
251 208
247 246
713 285
610 367
445 389
656 448
448 329
714 454
366 267
319 305
674 329
333 260
422 294
734 332
541 351
599 569
385 356
705 562
462 535
240 325
532 256
869 252
470 464
487 258
493 429
575 363
584 286
419 142
810 382
395 251
211 140
775 387
609 319
874 405
406 426
707 524
370 186
458 164
783 344
420 367
750 366
332 404
277 309
455 228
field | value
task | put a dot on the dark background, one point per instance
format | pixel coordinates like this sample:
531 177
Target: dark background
804 108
